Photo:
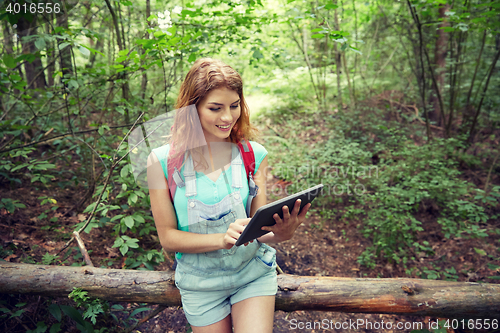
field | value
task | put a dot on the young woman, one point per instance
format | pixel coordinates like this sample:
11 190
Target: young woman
221 285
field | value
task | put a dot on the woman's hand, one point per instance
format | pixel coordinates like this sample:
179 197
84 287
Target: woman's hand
285 228
233 233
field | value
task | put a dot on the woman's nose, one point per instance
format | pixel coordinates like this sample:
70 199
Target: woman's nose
226 114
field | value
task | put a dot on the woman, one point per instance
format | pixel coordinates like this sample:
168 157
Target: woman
221 285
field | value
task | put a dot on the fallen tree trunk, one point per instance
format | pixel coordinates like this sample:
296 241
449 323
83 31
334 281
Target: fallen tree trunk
391 296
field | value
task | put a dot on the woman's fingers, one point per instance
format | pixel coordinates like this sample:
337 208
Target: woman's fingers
296 207
286 213
304 211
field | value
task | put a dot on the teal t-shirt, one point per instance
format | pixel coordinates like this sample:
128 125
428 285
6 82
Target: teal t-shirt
208 191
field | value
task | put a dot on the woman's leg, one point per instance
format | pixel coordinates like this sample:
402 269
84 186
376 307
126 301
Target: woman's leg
255 314
223 326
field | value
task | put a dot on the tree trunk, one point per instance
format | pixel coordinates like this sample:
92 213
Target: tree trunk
34 69
144 82
8 45
65 53
440 60
338 65
121 47
414 297
51 54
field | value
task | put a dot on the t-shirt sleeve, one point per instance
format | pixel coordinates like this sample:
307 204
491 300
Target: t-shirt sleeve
259 152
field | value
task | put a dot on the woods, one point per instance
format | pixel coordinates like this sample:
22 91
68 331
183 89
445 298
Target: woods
393 106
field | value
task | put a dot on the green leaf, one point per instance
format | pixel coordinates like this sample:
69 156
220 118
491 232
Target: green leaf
40 43
129 221
331 6
17 313
133 197
186 38
139 218
84 51
172 30
480 251
124 249
119 216
55 310
73 84
73 314
123 53
192 57
136 311
355 49
120 59
103 128
159 34
55 328
132 242
125 170
118 242
257 54
317 36
9 61
63 45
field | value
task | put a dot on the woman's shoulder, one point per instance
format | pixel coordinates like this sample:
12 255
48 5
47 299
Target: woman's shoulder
162 152
258 149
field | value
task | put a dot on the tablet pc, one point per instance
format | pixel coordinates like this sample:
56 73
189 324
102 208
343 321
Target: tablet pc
264 215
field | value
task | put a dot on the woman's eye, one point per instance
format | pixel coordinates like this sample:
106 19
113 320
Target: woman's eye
215 109
234 106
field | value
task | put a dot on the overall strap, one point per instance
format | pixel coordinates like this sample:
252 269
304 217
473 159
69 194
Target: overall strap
236 163
190 176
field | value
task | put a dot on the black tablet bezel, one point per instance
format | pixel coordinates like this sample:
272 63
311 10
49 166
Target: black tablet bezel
264 215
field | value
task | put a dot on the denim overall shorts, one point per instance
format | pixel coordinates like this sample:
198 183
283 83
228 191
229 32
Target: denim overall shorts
211 282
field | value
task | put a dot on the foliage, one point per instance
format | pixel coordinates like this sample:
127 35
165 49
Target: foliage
405 183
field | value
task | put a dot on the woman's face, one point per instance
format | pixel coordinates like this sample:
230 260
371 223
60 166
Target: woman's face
219 111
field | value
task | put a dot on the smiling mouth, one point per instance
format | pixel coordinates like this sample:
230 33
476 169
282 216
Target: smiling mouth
223 127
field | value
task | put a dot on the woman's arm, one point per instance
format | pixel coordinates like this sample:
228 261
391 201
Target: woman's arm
172 239
284 228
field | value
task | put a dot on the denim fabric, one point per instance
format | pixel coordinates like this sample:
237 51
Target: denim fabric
211 282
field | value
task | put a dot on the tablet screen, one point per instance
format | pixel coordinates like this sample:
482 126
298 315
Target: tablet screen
264 215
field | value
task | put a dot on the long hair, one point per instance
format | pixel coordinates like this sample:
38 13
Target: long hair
205 75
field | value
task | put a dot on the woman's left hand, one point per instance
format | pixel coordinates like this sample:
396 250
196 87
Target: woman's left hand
285 228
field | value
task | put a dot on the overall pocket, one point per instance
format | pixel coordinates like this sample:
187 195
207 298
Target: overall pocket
266 256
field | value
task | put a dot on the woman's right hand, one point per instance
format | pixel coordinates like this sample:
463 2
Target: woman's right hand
233 233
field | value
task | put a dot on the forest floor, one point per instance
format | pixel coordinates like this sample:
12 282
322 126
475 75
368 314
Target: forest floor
319 248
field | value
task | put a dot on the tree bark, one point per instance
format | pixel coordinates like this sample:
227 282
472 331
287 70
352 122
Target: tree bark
65 53
34 69
402 296
338 64
440 60
492 69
